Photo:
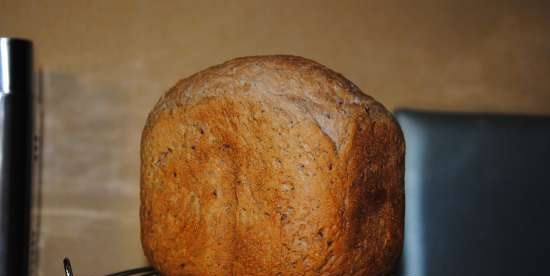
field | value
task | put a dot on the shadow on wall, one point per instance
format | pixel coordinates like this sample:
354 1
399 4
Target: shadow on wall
88 200
38 161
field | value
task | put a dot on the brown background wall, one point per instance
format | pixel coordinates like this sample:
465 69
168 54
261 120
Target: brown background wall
105 63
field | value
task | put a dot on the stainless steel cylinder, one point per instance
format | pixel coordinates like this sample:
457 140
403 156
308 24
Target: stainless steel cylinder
16 130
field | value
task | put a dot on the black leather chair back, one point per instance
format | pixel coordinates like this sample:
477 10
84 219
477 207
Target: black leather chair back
477 194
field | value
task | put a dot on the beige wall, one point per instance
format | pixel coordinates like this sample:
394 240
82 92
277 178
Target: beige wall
105 63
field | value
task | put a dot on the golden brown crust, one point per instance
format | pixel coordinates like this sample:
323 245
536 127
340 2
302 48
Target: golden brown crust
271 165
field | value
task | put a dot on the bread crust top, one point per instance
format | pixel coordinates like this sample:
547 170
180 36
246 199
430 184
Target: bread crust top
271 165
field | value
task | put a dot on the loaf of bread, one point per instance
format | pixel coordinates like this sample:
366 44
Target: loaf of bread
271 165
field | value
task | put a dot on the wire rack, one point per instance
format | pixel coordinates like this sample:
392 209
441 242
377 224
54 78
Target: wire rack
142 271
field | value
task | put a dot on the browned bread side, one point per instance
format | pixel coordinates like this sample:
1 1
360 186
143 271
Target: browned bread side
271 165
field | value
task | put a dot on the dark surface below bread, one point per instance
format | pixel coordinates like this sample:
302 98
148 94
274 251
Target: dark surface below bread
271 165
